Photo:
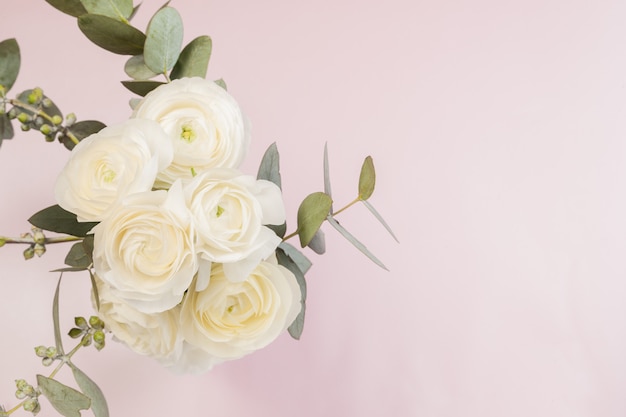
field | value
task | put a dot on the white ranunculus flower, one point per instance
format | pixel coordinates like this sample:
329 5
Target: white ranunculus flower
156 335
111 164
204 123
229 211
144 249
228 320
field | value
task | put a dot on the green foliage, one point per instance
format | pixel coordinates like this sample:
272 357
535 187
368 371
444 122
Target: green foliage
270 166
296 328
56 219
137 69
355 242
72 7
117 9
79 255
164 39
318 243
90 389
112 35
141 87
6 128
40 103
311 214
55 318
380 219
296 256
194 59
81 130
221 83
367 179
9 63
66 400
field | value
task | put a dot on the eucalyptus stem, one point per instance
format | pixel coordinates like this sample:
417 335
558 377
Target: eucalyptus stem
29 240
14 409
25 106
65 359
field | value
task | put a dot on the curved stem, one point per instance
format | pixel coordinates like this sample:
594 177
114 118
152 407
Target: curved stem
49 240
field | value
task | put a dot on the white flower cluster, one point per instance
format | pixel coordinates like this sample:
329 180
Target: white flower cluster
184 261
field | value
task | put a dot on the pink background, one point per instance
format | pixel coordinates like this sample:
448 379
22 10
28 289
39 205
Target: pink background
497 129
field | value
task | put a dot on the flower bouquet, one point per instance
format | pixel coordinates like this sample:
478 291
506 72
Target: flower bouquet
189 258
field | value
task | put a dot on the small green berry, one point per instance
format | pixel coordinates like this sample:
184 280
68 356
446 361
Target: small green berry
29 253
95 322
98 337
45 129
81 322
47 361
24 118
41 351
31 405
57 120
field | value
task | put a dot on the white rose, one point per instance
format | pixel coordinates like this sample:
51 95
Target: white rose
229 211
144 249
156 335
111 164
228 320
204 123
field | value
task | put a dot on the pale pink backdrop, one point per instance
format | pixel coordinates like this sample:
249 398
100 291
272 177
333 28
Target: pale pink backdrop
499 133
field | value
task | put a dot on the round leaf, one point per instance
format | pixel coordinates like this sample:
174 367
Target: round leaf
81 130
66 400
141 87
72 7
164 38
9 63
117 9
194 59
311 214
367 179
112 35
137 69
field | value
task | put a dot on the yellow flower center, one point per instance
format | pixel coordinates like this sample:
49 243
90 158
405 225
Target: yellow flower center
187 134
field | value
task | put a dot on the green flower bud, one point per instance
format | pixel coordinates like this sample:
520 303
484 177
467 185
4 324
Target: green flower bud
45 129
38 121
47 361
70 119
41 351
81 322
86 340
20 395
12 113
29 253
31 405
24 118
39 249
29 391
98 337
46 102
50 138
25 128
75 333
35 96
57 120
95 322
51 352
21 384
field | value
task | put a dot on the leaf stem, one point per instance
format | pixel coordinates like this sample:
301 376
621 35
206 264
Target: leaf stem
14 409
65 359
24 106
49 240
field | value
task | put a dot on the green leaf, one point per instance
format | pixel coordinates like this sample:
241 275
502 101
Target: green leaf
81 130
90 389
137 69
135 10
56 219
66 400
355 242
380 219
221 83
112 35
279 229
80 254
6 128
164 38
9 63
94 288
311 214
296 256
318 243
367 179
296 328
141 87
270 166
72 7
70 269
55 318
327 189
117 9
194 59
51 110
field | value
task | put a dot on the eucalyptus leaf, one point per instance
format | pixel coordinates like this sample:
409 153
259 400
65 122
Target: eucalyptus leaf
296 256
81 130
221 83
279 229
135 10
367 179
58 342
164 38
72 7
66 400
112 35
141 87
6 128
295 329
94 288
270 166
9 63
355 242
318 243
137 69
311 214
70 269
117 9
51 109
90 389
194 59
327 189
56 219
380 219
78 257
